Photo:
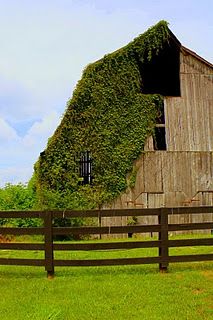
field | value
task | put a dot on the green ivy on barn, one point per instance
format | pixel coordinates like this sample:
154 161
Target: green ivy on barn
111 117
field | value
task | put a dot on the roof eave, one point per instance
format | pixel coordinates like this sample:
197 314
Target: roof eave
194 54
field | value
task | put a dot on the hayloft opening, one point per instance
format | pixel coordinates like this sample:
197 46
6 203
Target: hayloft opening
162 74
85 167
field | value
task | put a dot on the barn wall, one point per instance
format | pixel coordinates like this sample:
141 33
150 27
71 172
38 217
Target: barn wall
169 179
182 175
189 118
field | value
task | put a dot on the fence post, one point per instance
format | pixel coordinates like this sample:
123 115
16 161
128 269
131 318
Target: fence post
163 237
48 243
99 220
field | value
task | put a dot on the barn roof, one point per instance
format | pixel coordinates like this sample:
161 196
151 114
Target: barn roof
194 54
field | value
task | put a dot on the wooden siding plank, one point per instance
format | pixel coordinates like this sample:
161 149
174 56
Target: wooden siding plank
189 120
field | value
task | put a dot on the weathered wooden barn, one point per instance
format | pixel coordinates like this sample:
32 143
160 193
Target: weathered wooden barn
138 131
176 167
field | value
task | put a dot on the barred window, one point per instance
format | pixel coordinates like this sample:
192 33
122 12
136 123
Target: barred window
85 167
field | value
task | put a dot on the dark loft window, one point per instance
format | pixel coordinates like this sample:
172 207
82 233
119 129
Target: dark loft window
160 138
85 167
162 73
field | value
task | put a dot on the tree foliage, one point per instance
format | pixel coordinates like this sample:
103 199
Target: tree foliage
18 197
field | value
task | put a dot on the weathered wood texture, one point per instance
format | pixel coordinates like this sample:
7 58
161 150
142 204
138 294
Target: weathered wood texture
182 175
189 118
169 179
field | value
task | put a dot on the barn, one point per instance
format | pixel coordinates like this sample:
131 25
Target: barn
176 167
138 131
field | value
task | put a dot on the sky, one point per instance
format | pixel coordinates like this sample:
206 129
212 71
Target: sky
46 44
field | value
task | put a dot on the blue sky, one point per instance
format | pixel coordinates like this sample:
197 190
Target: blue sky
46 44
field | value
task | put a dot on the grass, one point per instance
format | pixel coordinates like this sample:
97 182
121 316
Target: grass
121 292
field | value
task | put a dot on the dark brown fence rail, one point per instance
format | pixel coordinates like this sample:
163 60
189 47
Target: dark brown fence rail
163 227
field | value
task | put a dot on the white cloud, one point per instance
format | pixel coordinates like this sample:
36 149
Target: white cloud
41 130
18 154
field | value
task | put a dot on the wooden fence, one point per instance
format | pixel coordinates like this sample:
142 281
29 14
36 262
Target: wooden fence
163 227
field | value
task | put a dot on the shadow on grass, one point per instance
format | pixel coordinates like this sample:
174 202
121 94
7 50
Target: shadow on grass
131 270
20 272
193 266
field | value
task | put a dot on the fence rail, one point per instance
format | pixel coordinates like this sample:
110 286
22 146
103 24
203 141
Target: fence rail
163 227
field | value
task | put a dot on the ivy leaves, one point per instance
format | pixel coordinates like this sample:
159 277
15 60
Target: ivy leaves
109 116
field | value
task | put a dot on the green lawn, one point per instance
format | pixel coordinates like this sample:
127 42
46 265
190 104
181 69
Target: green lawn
121 292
